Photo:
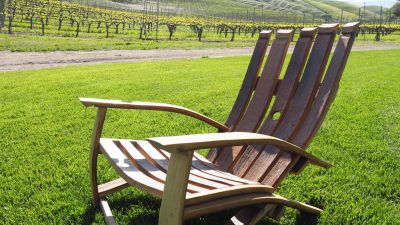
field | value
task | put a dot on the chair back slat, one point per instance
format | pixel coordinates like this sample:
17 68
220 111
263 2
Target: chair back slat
321 102
284 93
261 98
248 85
249 81
301 100
327 91
290 81
299 106
266 84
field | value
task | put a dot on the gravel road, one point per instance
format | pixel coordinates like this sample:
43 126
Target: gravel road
15 61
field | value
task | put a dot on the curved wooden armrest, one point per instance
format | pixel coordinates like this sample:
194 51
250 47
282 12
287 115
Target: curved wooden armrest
200 141
102 103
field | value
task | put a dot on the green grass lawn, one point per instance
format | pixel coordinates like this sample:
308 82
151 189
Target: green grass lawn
45 134
22 42
33 43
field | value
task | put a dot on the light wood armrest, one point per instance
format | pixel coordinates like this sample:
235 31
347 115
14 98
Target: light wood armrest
102 103
200 141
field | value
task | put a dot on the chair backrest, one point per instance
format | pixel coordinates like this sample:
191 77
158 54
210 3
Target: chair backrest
291 108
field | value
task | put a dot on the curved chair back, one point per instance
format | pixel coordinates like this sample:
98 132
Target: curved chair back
291 108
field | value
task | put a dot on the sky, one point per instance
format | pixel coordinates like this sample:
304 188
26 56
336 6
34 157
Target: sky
385 3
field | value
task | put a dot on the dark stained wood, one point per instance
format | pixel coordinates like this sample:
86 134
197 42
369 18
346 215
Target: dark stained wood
284 94
317 112
299 106
248 86
249 80
261 99
326 93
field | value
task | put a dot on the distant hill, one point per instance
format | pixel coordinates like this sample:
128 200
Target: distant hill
246 9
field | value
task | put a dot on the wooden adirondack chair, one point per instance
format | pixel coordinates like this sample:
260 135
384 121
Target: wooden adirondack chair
251 153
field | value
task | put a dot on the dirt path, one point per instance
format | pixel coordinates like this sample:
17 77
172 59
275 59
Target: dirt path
14 61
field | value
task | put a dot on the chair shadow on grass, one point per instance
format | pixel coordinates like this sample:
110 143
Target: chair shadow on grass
125 205
304 218
148 215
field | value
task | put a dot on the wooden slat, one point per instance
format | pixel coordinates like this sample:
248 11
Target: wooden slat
283 98
328 28
103 103
198 198
260 100
350 28
208 167
247 87
290 81
203 169
244 200
284 34
142 164
161 161
112 186
199 141
129 172
324 98
196 178
302 101
327 91
249 80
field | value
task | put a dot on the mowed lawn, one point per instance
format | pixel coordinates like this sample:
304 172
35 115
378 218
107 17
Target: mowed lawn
45 134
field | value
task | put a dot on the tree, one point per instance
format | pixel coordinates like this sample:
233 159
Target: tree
396 9
327 18
2 16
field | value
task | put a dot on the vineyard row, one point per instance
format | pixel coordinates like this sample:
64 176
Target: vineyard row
65 16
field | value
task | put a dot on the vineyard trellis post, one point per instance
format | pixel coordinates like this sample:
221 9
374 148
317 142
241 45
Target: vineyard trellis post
341 17
158 12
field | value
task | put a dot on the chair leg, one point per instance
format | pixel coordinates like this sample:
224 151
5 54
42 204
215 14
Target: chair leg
94 153
276 212
93 179
250 215
105 208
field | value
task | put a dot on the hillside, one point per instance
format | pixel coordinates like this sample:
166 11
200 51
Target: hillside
246 9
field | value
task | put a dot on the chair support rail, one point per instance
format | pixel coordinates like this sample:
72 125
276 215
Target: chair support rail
200 141
102 103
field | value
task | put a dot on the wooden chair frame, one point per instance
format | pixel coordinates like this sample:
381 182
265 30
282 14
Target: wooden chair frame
254 198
